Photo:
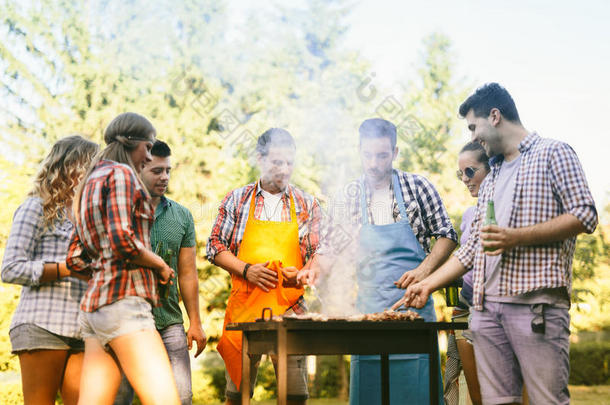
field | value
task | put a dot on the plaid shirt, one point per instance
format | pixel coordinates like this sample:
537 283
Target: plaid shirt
550 182
54 305
113 225
228 230
427 214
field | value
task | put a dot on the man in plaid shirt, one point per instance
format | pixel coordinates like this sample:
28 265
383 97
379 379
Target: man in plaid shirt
522 281
264 233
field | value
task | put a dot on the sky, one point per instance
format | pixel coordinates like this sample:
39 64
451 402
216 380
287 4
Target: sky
552 56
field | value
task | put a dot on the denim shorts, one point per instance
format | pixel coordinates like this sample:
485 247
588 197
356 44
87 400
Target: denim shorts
128 315
31 337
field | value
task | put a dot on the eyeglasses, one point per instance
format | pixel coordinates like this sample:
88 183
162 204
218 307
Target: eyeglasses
469 172
538 324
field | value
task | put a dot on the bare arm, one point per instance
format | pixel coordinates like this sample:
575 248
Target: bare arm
557 229
147 258
189 290
418 293
438 255
50 273
258 273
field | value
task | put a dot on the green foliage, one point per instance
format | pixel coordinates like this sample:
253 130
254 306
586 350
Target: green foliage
589 363
11 393
327 383
9 295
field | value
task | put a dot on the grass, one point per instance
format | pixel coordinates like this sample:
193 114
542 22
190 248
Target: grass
593 395
581 395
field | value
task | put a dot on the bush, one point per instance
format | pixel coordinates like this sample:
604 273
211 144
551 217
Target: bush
11 393
589 363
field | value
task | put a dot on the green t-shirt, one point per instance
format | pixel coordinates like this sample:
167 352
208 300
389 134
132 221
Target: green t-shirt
174 227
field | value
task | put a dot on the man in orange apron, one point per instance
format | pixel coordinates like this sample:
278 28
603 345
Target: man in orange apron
264 234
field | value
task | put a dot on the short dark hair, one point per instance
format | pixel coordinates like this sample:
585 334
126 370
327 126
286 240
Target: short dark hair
273 137
481 155
378 128
160 149
488 96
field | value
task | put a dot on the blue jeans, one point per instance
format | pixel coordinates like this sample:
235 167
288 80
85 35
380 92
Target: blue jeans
174 339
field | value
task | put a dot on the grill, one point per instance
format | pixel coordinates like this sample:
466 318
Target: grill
293 336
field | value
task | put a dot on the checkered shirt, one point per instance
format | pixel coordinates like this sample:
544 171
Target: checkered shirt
228 230
550 182
113 225
425 210
53 305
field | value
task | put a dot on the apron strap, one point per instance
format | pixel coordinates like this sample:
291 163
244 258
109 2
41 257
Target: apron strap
399 199
397 195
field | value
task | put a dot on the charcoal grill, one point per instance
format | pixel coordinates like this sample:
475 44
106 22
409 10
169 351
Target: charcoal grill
292 336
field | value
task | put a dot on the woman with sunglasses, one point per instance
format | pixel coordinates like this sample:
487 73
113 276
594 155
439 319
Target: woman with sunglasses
113 215
473 168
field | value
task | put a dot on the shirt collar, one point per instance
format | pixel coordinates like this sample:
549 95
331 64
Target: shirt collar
164 203
259 189
523 147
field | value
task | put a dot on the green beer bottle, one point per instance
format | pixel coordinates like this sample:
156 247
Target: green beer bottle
490 219
451 295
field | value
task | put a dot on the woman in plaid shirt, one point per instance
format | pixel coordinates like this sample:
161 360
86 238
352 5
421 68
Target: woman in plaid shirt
113 216
44 333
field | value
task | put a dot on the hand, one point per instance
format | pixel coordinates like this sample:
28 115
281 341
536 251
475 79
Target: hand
308 276
262 277
411 276
290 276
197 334
166 274
498 239
415 296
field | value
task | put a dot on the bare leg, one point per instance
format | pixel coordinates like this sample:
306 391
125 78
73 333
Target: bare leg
70 384
470 370
525 400
144 360
41 373
101 375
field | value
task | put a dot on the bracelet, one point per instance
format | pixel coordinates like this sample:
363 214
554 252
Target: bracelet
57 269
245 272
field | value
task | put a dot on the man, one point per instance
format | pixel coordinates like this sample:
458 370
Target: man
173 237
398 213
522 280
265 232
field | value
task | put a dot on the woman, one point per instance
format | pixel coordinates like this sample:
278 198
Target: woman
473 166
44 331
113 216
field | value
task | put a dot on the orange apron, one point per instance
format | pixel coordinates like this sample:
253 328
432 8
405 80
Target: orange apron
278 243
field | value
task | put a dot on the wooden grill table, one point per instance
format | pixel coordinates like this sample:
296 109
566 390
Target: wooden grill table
307 337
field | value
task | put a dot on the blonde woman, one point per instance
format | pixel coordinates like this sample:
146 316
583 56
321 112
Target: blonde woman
44 331
113 215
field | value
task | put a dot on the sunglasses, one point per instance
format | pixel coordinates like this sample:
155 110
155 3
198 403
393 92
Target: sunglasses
538 324
469 172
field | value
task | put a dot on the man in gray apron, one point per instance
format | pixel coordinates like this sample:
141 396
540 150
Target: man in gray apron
398 213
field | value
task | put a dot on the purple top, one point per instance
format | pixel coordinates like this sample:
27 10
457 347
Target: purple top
467 219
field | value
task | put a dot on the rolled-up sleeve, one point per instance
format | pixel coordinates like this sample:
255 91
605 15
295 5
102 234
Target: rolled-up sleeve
120 202
435 215
223 229
569 183
77 258
17 265
466 253
311 240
